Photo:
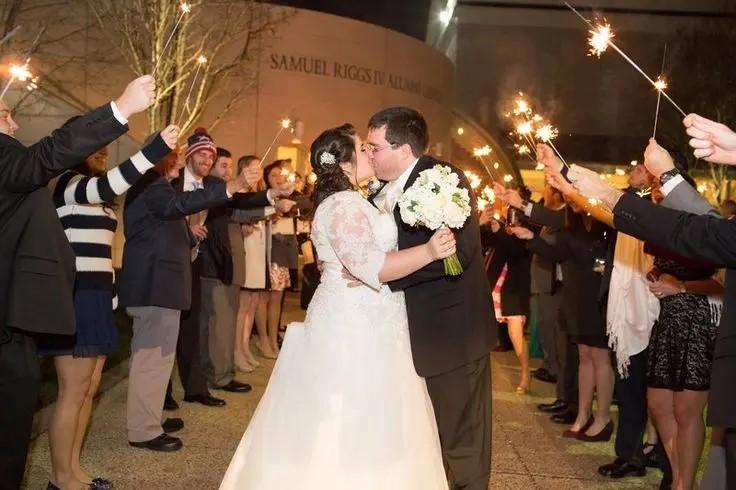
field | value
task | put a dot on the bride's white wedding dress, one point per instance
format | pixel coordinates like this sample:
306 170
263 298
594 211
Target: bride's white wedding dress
344 408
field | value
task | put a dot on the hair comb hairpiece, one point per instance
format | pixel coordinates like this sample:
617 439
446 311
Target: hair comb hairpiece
327 158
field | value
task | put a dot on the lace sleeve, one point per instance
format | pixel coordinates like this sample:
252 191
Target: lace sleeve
350 235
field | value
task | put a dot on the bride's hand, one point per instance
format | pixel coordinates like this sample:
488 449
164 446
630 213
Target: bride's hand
442 244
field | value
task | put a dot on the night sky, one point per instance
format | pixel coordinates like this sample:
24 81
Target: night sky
407 16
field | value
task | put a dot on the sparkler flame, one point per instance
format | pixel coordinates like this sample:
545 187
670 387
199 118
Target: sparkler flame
547 133
202 60
185 7
285 123
660 84
599 39
523 150
524 128
507 178
20 72
482 151
475 181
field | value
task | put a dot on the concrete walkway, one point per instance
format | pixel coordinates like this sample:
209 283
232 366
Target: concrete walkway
528 451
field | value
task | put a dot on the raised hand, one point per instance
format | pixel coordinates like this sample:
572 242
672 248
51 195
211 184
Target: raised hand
442 244
656 159
521 232
170 135
547 157
509 196
138 96
556 180
284 205
284 190
712 141
590 184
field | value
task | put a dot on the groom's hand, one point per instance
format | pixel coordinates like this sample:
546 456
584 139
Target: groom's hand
353 282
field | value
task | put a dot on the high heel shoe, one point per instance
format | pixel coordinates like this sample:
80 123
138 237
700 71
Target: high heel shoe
245 368
260 352
575 434
603 436
101 484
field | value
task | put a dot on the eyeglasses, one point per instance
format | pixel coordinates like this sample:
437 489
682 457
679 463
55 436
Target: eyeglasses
375 148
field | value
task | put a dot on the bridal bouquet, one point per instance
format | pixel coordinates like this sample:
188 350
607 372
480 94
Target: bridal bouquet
434 200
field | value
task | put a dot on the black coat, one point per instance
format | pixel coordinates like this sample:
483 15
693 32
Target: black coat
451 319
216 254
36 261
507 249
704 237
577 252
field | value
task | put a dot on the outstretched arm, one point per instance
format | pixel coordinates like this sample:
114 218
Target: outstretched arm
23 170
78 189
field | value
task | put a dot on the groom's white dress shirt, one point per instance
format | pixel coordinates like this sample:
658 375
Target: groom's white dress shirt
389 196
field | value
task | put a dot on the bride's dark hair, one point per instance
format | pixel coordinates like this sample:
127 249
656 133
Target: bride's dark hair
340 143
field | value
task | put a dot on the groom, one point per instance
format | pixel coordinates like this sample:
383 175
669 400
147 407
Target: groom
451 322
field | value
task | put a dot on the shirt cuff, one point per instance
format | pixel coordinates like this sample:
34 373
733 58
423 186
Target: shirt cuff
528 209
671 184
227 193
270 198
118 115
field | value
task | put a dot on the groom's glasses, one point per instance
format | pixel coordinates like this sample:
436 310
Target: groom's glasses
375 148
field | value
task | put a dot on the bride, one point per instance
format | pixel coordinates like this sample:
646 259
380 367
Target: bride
344 408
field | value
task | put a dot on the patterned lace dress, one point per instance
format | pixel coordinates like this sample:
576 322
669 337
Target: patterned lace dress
344 408
683 338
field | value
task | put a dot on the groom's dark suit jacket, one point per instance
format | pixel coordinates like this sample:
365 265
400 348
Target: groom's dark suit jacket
451 319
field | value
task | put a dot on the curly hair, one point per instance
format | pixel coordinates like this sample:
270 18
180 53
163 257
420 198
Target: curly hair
340 143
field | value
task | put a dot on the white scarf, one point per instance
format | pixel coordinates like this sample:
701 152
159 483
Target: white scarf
632 308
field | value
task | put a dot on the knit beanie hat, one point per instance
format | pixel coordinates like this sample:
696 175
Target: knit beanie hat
200 140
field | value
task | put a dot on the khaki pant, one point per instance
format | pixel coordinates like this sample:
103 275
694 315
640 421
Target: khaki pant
153 348
218 315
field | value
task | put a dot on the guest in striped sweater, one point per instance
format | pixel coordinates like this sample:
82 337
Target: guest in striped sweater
84 200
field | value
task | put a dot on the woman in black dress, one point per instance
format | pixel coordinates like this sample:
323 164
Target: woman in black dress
580 248
681 354
509 275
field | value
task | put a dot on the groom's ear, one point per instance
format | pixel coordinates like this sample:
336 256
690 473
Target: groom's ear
406 152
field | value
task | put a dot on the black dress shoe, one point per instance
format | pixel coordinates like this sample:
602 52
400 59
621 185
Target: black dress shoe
100 484
172 425
557 406
545 376
607 469
164 442
51 486
170 404
566 418
206 400
235 387
627 469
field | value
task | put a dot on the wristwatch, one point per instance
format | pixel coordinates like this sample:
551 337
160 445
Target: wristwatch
668 175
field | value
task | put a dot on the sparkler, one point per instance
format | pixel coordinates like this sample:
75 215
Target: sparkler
546 134
284 124
601 37
185 9
481 152
660 85
201 60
